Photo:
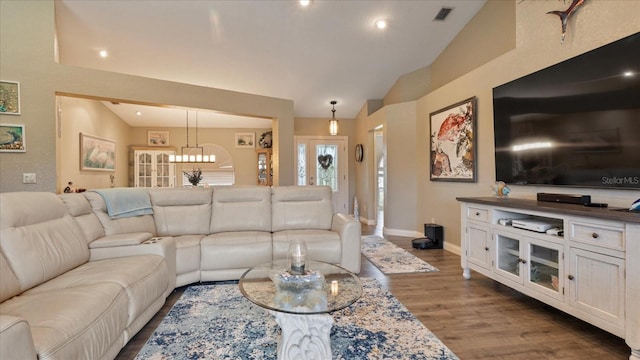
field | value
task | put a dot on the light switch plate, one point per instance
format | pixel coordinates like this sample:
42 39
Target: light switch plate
28 178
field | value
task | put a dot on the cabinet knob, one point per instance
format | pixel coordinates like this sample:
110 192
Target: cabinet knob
486 249
570 277
477 214
523 261
595 235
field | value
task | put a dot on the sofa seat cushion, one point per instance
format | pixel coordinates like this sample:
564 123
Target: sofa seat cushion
144 279
235 250
322 245
82 322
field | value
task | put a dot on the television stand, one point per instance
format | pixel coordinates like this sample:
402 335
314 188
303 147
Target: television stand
580 266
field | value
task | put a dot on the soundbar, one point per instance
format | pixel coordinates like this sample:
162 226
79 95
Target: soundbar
565 198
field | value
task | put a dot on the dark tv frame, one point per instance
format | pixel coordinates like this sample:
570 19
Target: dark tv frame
535 95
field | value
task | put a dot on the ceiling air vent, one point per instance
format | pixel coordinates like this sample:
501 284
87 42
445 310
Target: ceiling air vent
442 14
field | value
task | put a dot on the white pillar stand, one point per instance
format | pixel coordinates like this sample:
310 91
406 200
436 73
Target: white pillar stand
304 337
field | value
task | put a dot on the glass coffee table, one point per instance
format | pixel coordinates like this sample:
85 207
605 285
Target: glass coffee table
301 304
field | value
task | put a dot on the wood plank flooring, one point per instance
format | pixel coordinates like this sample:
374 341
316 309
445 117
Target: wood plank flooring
476 319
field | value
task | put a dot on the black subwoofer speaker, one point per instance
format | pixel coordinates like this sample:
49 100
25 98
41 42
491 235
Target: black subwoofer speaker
434 238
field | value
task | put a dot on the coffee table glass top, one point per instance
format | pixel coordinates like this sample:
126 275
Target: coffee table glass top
325 288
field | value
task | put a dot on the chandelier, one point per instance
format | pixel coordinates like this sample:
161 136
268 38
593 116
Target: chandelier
190 158
333 123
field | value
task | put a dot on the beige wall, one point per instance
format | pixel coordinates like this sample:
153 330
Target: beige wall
27 56
537 46
90 117
93 118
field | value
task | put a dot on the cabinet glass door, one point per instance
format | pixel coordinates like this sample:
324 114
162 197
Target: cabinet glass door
163 175
544 266
144 170
508 258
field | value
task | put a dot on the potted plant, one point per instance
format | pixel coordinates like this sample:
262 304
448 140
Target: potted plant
194 177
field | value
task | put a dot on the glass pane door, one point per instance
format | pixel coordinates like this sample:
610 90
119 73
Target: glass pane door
545 272
144 170
327 165
508 258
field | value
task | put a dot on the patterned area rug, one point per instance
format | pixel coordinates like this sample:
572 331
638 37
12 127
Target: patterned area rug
217 322
392 259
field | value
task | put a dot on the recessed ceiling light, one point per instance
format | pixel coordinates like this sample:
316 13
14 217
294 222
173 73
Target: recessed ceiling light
381 24
139 113
628 73
103 53
305 2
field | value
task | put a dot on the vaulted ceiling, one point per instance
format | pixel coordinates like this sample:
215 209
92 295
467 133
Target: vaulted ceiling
328 50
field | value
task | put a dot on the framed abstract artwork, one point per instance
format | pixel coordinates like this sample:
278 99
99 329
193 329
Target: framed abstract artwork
97 154
12 138
453 142
9 97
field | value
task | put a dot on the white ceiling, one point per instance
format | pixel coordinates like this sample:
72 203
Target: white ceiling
327 51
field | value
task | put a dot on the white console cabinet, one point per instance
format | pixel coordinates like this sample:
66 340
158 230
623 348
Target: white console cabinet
583 271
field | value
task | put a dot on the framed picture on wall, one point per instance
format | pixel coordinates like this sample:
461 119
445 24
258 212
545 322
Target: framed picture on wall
157 138
245 140
453 142
12 138
97 154
9 97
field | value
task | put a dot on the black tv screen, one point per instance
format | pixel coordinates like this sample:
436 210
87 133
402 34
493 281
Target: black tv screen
576 123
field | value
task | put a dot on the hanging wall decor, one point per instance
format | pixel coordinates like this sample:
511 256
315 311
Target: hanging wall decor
9 97
453 142
564 15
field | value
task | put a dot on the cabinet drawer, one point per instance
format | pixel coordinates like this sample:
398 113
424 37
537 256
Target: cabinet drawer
599 235
477 214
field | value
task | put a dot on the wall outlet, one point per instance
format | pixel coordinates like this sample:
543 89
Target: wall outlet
28 178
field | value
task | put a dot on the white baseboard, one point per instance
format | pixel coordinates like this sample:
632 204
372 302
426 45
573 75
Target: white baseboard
414 234
399 232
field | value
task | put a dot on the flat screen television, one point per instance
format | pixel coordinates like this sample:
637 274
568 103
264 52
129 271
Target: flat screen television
576 123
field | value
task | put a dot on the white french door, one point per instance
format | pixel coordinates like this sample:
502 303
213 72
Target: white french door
323 161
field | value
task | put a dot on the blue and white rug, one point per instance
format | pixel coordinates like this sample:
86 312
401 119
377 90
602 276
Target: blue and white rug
217 322
392 259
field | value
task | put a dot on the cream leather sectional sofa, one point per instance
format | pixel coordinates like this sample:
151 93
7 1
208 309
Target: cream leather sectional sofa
77 284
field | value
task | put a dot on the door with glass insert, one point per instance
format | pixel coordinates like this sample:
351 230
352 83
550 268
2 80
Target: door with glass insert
509 259
323 161
544 272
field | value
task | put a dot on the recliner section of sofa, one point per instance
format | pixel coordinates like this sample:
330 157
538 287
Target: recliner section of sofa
56 301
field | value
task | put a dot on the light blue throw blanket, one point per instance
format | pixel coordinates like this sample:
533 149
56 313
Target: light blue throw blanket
126 202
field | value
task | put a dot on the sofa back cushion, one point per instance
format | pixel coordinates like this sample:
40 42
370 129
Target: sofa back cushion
301 207
134 224
78 206
38 238
181 211
241 208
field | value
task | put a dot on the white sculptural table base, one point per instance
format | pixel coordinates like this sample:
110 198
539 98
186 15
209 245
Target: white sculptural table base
302 306
304 337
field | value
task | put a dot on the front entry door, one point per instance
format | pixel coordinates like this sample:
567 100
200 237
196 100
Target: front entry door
323 161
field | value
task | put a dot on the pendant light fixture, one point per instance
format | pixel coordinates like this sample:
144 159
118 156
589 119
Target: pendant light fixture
333 123
190 158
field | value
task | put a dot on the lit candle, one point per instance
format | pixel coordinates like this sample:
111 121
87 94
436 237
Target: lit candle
212 158
334 287
172 158
178 158
192 158
205 158
199 158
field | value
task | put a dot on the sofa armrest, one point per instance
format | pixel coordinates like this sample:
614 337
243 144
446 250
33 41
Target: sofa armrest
120 240
162 246
16 341
350 237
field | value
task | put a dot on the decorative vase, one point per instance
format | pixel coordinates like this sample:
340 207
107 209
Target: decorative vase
297 257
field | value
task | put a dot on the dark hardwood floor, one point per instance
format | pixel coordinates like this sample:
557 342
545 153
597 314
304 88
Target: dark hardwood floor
477 318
